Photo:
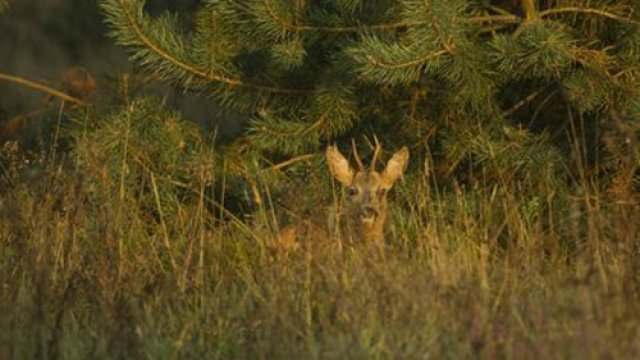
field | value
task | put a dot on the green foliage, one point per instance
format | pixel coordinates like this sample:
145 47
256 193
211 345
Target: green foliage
507 154
540 50
144 154
484 87
88 271
128 249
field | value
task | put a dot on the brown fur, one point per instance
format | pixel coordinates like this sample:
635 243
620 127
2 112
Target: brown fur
364 213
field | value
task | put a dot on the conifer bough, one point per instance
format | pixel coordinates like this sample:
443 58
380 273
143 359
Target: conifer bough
462 76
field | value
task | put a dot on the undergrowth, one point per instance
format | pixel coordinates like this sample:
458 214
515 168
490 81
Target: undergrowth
124 249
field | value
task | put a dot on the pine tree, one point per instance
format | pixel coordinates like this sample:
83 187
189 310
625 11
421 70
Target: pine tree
491 84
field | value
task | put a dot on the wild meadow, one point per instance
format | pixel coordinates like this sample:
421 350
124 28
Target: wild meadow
121 247
183 203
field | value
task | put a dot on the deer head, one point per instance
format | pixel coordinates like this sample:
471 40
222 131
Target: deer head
366 206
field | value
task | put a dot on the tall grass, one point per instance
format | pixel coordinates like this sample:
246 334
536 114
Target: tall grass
93 267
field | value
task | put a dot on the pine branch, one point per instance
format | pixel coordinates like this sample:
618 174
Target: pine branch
410 63
43 88
505 18
357 62
389 63
335 29
579 10
539 50
123 20
368 28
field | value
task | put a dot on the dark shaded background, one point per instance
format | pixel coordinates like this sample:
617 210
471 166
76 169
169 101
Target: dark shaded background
41 39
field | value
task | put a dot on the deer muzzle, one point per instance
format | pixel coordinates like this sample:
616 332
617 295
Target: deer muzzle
368 214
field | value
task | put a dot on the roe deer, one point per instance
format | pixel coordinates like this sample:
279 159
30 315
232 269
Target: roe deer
364 213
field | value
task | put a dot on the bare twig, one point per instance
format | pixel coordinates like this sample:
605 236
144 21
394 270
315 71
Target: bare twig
37 86
571 9
289 162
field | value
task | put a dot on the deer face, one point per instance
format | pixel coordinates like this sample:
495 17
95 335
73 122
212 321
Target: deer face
366 196
367 189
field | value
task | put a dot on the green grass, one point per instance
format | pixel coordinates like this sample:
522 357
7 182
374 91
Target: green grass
119 259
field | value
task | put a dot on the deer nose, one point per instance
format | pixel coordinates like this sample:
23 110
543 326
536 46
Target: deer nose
369 212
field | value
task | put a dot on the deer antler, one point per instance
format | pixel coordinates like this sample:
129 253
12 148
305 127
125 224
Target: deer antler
355 154
376 152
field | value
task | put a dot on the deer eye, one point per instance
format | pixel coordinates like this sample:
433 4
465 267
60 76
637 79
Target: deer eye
351 190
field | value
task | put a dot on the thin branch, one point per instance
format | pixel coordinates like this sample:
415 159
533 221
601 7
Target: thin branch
435 25
522 103
43 88
189 68
495 18
408 63
337 29
289 162
531 12
541 106
388 26
599 12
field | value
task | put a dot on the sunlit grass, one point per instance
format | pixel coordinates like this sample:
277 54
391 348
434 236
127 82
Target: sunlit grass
93 267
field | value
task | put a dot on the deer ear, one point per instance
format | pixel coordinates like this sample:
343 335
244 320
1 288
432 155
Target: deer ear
339 166
395 168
